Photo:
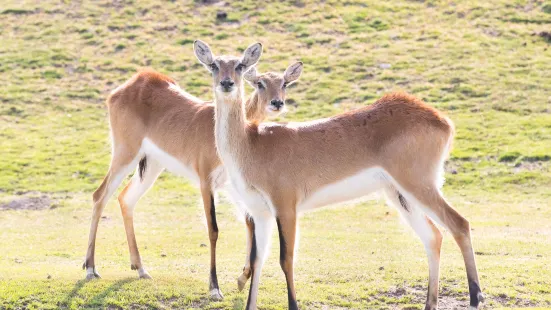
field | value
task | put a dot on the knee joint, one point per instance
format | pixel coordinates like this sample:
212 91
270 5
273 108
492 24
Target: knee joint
285 262
463 229
213 235
97 196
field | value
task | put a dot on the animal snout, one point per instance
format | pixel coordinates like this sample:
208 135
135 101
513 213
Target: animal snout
227 84
277 103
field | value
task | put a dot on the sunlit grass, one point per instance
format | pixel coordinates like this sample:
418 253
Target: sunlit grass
482 63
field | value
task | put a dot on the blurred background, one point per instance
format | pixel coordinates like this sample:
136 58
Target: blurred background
486 64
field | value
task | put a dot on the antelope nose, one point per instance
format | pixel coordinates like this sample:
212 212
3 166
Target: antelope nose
227 83
277 103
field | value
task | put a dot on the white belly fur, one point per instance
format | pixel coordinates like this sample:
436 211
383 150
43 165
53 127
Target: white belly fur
359 185
167 161
258 203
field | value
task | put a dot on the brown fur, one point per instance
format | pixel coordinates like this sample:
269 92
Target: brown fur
284 164
145 107
395 129
269 87
399 133
179 124
273 90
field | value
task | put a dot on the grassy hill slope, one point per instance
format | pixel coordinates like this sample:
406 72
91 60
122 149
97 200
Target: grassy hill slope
486 64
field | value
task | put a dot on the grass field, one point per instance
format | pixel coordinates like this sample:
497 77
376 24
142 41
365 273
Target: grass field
486 64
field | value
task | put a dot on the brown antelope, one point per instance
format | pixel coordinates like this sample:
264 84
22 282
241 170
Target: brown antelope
397 145
155 125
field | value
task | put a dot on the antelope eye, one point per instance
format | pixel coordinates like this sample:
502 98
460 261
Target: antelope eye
213 66
239 67
260 85
285 85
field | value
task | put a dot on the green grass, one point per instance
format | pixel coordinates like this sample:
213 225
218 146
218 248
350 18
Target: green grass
479 62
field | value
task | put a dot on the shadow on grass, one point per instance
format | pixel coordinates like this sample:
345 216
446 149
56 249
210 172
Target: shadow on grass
99 299
238 303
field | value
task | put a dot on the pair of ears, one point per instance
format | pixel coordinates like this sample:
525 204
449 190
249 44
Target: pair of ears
249 59
291 74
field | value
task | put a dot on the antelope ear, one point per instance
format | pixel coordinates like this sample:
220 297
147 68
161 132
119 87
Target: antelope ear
293 72
203 52
251 76
251 55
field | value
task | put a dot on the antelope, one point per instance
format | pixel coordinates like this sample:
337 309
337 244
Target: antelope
397 145
155 125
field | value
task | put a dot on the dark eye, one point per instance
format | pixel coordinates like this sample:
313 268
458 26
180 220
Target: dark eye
213 66
239 67
259 84
285 85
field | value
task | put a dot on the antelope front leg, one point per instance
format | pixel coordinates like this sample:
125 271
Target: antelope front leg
244 277
210 213
259 251
287 225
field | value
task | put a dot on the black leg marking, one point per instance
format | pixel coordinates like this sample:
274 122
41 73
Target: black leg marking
474 291
403 202
292 302
252 257
282 243
252 261
142 166
213 214
282 257
213 278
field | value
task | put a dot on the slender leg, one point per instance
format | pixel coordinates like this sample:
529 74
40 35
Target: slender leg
429 235
259 251
244 277
440 211
120 168
210 214
141 182
286 225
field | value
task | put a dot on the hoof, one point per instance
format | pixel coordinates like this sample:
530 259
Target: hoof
216 294
92 274
480 297
241 281
145 275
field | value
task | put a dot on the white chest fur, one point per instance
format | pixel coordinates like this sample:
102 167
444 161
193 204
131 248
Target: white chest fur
361 184
249 199
252 200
